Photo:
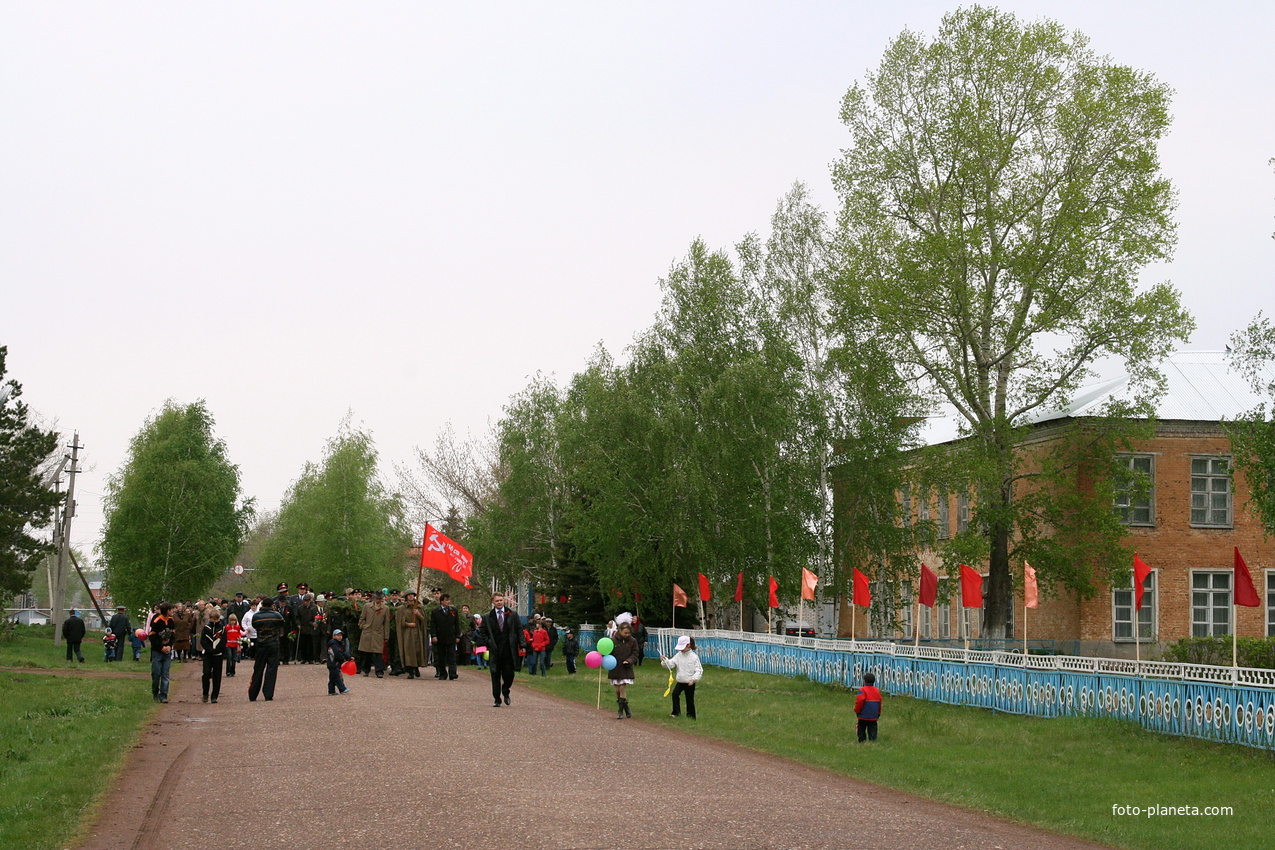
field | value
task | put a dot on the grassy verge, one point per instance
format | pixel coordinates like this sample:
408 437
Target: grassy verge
63 739
32 646
1064 774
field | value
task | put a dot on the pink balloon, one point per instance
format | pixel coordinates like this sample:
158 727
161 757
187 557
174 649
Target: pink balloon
141 634
593 659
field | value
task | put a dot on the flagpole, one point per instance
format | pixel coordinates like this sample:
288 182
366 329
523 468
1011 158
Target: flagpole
1025 653
916 623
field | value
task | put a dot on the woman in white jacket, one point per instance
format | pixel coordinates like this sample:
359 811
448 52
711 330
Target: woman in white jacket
687 671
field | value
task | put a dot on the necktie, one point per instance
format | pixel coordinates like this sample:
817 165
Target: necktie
500 618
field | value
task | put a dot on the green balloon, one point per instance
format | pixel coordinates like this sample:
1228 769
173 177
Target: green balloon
605 645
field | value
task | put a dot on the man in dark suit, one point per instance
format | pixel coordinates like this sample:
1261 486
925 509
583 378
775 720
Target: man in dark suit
444 635
502 633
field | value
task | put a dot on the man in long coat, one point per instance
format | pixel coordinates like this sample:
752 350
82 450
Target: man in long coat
502 634
374 631
410 623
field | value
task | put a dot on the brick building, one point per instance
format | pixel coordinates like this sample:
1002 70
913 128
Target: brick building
1185 529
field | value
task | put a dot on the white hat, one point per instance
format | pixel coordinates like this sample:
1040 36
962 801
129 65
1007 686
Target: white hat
626 617
683 642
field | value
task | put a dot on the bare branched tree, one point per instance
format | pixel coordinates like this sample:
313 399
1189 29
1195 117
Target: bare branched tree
460 474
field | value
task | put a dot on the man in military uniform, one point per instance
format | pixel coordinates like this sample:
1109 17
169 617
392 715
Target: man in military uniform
411 626
269 624
374 628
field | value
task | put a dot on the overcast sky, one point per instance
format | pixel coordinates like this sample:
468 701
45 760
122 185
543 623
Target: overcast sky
404 210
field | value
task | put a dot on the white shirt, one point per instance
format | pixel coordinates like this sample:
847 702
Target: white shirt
248 631
687 666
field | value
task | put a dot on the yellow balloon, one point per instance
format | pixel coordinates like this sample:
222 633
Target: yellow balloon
486 654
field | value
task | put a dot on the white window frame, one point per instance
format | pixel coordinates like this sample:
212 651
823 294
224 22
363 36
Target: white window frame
1205 618
905 503
1122 504
943 611
962 512
1122 601
944 518
923 506
1270 603
1208 493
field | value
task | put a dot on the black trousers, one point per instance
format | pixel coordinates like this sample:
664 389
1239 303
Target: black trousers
265 669
680 688
445 660
867 730
212 675
502 676
373 660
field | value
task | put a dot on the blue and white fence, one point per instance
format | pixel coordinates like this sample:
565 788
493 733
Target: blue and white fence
1235 705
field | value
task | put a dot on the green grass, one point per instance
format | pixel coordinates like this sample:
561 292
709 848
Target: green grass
63 740
32 646
1061 774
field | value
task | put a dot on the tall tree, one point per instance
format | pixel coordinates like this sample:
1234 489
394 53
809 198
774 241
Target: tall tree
27 499
1000 194
1253 434
174 516
338 526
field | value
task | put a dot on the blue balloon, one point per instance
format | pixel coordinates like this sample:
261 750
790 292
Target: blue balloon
609 662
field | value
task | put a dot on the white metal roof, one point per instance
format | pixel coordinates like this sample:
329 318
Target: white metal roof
1199 386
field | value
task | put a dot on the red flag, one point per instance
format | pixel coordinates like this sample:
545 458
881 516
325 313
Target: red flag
705 592
440 552
1140 573
774 588
1031 598
1245 593
739 589
929 586
862 592
808 582
679 597
971 588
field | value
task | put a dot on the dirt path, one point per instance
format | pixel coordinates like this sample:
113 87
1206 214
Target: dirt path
430 764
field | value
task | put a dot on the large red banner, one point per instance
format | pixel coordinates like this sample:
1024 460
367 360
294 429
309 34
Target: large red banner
440 552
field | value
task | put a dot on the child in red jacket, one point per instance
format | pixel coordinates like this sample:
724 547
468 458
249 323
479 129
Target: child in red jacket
868 708
233 633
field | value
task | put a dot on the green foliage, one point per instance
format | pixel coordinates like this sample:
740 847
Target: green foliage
1000 195
1249 652
174 517
1253 433
338 527
26 501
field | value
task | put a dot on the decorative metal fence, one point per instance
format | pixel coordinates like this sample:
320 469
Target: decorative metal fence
1235 705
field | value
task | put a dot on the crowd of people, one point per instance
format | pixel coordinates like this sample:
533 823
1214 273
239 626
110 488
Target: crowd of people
381 632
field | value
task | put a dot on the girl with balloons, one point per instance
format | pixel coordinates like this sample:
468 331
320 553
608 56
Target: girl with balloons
625 653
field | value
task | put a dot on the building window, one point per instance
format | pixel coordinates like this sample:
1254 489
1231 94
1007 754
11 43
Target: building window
962 512
1133 497
1210 604
944 518
943 612
972 622
1270 603
1211 491
923 507
905 498
1122 611
906 611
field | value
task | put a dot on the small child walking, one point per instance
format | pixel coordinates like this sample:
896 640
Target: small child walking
687 670
570 649
109 643
867 706
338 653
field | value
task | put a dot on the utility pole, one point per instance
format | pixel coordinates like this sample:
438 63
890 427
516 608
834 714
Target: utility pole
58 602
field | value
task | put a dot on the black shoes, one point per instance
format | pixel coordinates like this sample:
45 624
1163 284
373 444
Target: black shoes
506 699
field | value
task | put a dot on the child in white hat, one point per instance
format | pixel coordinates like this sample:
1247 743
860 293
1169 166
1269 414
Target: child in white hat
686 672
